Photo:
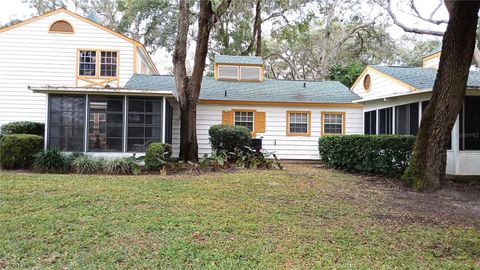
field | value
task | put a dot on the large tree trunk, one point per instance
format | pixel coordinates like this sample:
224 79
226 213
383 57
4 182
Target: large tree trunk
427 170
188 88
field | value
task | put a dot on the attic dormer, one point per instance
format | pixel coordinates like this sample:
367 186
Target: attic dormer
238 68
432 60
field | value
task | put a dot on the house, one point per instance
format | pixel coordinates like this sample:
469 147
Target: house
394 98
99 92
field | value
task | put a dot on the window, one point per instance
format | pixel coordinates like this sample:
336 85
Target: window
108 64
66 122
298 123
97 63
228 72
385 121
244 119
61 27
87 63
370 122
144 123
105 124
406 119
333 123
249 73
367 81
470 124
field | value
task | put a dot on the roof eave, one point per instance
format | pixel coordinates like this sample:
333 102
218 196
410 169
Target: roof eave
99 91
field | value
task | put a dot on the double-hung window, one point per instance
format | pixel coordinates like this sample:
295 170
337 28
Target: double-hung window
244 119
97 63
333 123
298 123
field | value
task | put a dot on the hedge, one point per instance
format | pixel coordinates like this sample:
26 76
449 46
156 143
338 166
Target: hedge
228 137
24 127
157 155
386 155
18 150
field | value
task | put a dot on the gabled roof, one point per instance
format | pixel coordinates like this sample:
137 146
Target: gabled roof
53 12
421 78
235 59
275 91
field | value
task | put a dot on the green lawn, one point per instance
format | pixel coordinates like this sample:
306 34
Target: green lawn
299 218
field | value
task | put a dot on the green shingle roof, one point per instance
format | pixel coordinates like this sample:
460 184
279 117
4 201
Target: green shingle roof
265 91
234 59
421 78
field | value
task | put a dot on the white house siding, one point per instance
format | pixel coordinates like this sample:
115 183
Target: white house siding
432 63
30 55
275 138
379 86
142 58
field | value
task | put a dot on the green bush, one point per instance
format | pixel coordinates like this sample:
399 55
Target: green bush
24 127
386 155
17 150
86 164
53 160
228 138
157 155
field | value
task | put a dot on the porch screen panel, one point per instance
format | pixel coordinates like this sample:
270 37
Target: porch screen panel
145 118
385 121
105 124
66 122
406 119
371 122
169 123
470 124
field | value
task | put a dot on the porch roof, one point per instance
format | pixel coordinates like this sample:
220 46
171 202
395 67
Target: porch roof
265 91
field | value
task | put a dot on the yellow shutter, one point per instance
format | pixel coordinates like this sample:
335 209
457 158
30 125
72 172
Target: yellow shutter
260 122
227 117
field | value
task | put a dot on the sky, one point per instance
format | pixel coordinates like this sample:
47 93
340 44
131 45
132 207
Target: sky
16 9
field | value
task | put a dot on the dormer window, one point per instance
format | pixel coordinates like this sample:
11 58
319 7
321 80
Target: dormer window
62 27
238 68
227 72
250 73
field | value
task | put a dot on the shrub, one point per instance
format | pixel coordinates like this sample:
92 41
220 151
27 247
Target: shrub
86 164
117 166
24 127
17 150
53 160
228 137
157 155
372 154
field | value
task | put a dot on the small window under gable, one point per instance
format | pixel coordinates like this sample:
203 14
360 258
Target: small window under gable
61 27
227 72
239 68
250 73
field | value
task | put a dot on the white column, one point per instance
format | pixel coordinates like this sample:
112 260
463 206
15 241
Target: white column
377 123
394 130
455 143
85 126
164 116
125 122
45 135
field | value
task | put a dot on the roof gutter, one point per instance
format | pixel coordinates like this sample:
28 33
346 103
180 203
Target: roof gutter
100 91
385 98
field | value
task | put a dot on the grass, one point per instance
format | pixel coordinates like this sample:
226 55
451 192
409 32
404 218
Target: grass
299 218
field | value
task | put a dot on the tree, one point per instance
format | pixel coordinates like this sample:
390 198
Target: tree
188 87
430 19
427 169
42 6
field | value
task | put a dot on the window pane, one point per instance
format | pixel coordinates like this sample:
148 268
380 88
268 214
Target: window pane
244 119
108 66
470 124
105 124
298 123
332 123
87 60
144 123
66 122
